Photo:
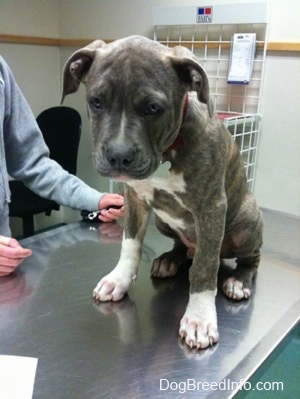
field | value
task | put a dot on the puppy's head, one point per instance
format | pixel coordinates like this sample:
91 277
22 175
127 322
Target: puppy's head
135 91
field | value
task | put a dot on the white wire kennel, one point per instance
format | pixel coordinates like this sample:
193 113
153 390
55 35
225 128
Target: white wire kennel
208 31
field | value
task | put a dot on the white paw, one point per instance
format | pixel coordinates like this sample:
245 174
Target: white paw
199 327
234 289
112 287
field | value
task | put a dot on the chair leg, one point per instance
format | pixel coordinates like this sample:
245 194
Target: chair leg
28 226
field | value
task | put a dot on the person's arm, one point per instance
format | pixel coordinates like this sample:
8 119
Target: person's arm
28 156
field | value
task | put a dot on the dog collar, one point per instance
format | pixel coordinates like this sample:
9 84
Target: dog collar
179 139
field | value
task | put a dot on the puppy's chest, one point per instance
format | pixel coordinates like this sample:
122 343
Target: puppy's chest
163 192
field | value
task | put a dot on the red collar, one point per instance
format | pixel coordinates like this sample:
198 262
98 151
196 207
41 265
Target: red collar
179 140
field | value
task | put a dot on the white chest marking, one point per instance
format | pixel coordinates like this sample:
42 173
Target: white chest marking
174 183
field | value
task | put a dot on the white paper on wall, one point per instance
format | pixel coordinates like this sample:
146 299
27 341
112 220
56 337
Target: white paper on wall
241 58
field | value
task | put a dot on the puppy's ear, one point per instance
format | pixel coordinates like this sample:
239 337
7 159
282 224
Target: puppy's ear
77 66
192 74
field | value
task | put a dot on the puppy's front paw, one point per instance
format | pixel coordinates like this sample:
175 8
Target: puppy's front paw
198 332
112 287
198 327
235 289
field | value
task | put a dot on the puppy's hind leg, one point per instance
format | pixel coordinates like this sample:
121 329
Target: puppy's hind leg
246 241
167 264
238 285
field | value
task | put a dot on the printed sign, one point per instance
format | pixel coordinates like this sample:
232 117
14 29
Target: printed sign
241 58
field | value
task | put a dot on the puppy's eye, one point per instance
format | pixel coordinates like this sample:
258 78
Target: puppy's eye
96 103
153 109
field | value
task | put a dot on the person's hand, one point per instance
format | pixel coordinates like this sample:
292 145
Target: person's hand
11 255
110 214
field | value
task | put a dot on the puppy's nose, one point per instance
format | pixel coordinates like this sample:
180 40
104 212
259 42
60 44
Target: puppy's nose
119 156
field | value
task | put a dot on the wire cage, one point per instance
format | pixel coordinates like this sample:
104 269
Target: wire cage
237 105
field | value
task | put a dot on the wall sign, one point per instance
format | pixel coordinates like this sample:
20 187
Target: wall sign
204 15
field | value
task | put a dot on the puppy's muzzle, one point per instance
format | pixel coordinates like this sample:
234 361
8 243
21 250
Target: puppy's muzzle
124 161
120 157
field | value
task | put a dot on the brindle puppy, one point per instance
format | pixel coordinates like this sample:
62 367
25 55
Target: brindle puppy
149 104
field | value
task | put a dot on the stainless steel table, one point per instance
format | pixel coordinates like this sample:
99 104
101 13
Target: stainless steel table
131 349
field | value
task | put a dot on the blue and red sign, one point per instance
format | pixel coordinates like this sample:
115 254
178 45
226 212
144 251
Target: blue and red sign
204 15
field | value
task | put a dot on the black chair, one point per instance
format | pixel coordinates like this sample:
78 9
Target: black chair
61 128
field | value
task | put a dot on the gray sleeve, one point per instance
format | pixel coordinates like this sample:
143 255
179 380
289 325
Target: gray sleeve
27 155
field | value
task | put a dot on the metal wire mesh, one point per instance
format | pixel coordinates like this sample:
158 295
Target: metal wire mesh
237 105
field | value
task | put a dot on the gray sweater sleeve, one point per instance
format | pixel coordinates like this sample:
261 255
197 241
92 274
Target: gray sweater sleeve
27 156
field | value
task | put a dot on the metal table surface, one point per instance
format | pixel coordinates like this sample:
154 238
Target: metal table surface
131 348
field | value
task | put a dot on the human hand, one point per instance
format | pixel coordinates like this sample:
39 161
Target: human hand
110 214
11 255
